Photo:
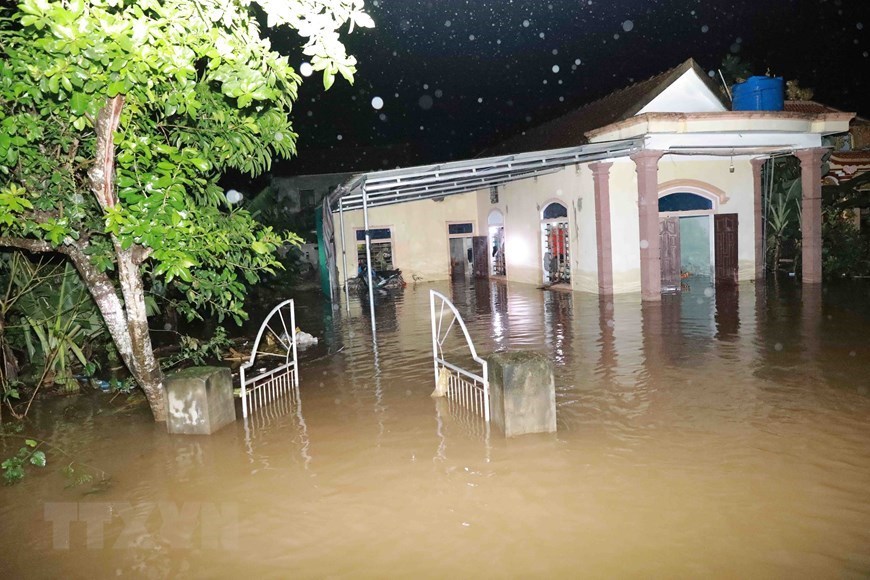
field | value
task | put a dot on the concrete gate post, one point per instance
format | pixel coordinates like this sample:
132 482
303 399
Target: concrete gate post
522 393
200 400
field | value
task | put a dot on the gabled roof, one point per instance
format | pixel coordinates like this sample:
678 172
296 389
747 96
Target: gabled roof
569 130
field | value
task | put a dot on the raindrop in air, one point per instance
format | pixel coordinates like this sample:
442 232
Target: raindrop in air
233 196
705 28
425 102
305 69
377 103
555 68
628 25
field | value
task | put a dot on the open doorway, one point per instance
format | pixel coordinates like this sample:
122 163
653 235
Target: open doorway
555 244
686 242
698 248
495 221
460 238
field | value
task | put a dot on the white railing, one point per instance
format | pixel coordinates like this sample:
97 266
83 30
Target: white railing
277 369
469 389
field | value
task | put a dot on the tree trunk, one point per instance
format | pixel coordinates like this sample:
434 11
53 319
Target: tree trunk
129 331
128 324
145 367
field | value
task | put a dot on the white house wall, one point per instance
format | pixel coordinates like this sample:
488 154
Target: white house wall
421 247
738 187
521 204
687 94
419 231
624 225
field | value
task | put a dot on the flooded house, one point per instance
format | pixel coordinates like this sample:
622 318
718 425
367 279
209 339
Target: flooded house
637 191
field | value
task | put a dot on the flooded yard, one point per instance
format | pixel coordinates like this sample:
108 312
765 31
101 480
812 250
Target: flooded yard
715 434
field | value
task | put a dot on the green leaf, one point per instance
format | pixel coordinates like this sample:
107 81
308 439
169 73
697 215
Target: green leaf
38 459
78 104
30 443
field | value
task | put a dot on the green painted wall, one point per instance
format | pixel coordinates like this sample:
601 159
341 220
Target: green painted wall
695 245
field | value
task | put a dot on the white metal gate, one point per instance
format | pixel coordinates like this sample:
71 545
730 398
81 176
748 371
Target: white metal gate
470 389
277 372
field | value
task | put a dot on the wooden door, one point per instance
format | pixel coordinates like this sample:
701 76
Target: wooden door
669 250
725 233
480 245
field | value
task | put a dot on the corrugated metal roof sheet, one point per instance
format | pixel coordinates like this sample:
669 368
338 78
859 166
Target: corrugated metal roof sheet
433 181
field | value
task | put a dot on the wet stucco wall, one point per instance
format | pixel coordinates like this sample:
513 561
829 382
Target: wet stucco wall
421 247
739 197
419 231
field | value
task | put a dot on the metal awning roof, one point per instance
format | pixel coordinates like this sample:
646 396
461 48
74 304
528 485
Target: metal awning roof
434 181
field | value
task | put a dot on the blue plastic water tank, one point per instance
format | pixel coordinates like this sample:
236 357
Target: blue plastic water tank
758 94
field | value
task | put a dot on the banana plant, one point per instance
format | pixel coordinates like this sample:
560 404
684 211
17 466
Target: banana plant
784 206
59 323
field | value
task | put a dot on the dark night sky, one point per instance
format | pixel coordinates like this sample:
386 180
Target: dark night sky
458 75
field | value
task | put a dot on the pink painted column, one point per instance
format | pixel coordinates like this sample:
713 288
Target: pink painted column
811 214
757 165
647 167
601 180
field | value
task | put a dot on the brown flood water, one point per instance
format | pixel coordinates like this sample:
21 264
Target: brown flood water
724 436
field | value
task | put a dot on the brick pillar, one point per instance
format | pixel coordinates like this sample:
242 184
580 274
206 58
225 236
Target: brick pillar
811 214
601 179
646 165
757 165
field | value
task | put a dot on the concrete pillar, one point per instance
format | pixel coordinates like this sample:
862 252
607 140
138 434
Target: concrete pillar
522 393
758 196
811 214
200 400
601 179
646 165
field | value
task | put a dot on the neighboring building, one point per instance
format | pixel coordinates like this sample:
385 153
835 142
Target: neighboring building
665 181
850 158
299 192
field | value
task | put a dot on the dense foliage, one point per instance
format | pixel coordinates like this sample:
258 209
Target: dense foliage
117 117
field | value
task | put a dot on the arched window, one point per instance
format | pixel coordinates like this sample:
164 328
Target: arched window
555 210
683 201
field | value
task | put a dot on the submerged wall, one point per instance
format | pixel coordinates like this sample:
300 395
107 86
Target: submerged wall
420 228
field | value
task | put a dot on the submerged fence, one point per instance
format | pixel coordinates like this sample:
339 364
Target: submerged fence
274 352
469 388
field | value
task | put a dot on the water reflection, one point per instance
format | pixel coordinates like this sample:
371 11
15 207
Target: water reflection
714 433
